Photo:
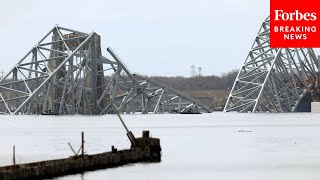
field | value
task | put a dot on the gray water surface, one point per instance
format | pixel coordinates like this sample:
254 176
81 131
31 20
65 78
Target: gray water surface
209 146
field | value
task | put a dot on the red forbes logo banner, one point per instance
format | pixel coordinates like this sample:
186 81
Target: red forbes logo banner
295 24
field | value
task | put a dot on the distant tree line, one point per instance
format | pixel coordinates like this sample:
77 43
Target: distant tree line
213 82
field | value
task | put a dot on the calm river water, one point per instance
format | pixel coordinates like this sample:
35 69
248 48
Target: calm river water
223 146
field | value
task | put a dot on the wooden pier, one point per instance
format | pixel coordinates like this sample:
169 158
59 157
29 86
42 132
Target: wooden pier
145 149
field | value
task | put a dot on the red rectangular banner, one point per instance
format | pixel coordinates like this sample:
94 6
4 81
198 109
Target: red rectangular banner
295 24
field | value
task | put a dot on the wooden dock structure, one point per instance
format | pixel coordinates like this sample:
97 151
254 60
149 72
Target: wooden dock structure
145 149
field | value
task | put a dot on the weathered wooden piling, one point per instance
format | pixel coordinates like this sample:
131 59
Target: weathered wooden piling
82 143
147 149
14 157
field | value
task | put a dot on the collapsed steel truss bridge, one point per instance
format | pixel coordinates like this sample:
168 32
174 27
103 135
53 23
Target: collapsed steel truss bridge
273 79
66 73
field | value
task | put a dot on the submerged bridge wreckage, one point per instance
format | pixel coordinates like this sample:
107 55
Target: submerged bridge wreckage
66 73
275 80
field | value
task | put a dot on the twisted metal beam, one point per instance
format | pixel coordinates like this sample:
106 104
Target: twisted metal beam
272 80
66 73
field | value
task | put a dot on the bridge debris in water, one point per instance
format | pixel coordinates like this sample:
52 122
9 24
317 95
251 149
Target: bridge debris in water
274 79
66 73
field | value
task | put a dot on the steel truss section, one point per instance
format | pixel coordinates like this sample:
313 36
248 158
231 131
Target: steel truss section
163 99
272 80
65 73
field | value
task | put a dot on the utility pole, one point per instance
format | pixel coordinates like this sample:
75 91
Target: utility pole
199 71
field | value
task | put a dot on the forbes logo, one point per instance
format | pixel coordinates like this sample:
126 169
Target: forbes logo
294 24
280 15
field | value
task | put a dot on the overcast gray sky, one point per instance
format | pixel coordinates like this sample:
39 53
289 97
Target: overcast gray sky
152 37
